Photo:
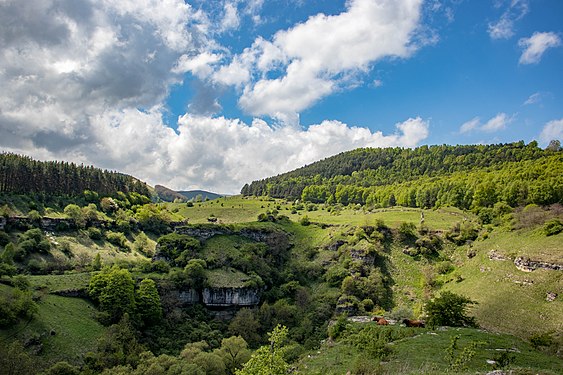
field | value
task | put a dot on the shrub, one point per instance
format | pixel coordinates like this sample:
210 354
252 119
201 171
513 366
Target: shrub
4 238
117 239
305 221
449 310
444 267
407 232
94 233
553 227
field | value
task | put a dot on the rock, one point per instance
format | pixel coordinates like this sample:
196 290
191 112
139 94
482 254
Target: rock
471 253
528 265
550 296
228 297
493 255
336 245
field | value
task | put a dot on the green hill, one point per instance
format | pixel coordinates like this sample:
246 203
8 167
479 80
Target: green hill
185 280
426 177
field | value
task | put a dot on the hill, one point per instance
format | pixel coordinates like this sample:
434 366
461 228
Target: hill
425 177
24 175
205 195
193 278
168 195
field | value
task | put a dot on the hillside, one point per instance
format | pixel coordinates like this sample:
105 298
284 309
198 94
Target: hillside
191 281
23 175
426 177
168 195
204 195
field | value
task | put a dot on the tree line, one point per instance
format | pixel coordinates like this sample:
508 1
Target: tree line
426 177
23 175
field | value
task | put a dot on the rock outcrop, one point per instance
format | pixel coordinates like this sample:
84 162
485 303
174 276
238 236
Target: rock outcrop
229 297
527 265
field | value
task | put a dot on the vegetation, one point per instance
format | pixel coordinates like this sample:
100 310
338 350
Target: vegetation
427 177
23 175
109 282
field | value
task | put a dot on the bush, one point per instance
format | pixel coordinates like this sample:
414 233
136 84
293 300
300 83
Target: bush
4 238
117 239
94 233
444 267
407 232
305 221
553 227
449 310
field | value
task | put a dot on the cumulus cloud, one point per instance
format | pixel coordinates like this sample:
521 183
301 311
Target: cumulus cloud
470 125
87 83
503 28
231 18
535 46
221 153
321 55
553 130
497 123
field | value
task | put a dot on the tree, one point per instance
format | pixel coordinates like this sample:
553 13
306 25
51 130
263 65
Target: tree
234 352
114 290
148 302
268 359
76 215
195 273
14 360
554 145
449 309
246 325
62 368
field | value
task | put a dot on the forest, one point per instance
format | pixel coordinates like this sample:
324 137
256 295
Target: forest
23 175
466 177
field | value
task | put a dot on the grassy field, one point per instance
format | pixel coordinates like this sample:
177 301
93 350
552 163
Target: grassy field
58 283
425 353
498 286
238 209
62 325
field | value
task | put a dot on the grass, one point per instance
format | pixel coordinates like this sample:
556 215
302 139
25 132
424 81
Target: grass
498 286
58 283
425 353
238 209
65 326
226 278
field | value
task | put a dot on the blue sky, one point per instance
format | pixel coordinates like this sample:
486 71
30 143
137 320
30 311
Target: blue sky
215 94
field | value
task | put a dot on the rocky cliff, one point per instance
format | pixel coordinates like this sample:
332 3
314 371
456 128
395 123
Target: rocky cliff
229 297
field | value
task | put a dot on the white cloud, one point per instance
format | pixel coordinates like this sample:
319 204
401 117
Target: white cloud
497 123
504 27
470 125
231 18
533 99
88 84
535 46
314 59
553 130
200 65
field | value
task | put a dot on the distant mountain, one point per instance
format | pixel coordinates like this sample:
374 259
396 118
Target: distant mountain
169 195
192 194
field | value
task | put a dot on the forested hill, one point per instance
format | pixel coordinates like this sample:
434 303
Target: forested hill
24 175
424 175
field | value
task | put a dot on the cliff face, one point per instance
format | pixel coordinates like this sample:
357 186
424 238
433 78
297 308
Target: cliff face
229 297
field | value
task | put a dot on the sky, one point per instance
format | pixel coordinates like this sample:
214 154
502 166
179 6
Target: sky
202 94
